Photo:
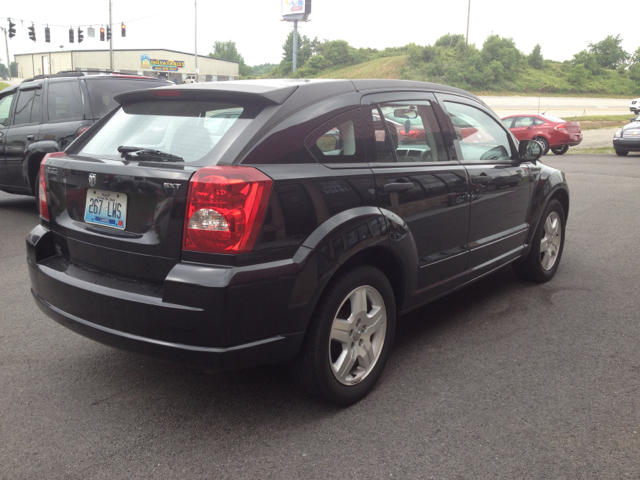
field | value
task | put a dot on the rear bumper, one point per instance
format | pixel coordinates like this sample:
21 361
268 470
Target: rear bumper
570 139
219 318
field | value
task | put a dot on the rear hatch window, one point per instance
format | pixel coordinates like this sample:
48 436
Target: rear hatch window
186 129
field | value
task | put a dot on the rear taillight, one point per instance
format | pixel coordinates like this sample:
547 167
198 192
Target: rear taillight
81 130
42 188
225 209
562 126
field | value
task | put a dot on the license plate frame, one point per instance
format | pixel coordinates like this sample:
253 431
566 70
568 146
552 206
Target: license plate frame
108 209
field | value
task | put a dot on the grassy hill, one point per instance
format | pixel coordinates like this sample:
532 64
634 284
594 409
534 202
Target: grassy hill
386 67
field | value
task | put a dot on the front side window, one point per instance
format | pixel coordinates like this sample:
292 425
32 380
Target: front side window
415 131
64 102
340 140
186 129
5 109
481 138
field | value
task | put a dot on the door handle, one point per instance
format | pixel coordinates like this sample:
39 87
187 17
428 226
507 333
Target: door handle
529 128
30 137
399 187
481 180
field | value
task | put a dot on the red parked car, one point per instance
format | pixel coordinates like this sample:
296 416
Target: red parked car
554 133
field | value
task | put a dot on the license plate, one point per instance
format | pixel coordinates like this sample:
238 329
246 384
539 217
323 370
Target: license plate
106 208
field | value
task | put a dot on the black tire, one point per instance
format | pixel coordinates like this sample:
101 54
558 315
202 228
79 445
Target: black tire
560 150
531 268
622 153
312 368
545 144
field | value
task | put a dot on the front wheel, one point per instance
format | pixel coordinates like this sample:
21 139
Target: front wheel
349 338
560 150
543 259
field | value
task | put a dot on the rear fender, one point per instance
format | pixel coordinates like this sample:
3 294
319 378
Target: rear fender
349 236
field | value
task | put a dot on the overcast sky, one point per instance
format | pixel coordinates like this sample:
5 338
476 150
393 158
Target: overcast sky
562 28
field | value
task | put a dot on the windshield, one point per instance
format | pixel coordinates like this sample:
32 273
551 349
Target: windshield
187 129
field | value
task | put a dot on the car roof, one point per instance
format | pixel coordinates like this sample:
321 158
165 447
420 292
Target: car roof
279 90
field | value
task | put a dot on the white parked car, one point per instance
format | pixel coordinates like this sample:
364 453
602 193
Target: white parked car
190 79
634 106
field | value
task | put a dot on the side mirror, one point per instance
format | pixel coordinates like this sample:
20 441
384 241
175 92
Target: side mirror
529 150
327 143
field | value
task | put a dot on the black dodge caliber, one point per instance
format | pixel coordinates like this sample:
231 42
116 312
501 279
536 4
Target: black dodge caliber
260 222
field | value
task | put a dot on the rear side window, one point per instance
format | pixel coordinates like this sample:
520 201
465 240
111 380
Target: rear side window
29 107
102 91
64 102
186 129
340 140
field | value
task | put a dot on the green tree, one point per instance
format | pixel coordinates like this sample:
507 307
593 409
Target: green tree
338 52
588 60
578 75
504 51
535 58
608 52
305 49
229 51
4 72
450 41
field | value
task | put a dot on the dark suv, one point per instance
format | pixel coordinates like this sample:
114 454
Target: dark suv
46 113
260 222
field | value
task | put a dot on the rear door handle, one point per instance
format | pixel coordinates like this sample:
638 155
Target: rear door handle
482 180
399 187
30 137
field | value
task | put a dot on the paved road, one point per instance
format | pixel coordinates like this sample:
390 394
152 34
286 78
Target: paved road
558 106
501 380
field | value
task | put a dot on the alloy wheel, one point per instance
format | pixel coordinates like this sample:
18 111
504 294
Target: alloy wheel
357 335
551 241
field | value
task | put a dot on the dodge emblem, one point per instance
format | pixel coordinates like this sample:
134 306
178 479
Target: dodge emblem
92 179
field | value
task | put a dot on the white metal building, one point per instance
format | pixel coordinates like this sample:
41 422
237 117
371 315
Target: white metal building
154 63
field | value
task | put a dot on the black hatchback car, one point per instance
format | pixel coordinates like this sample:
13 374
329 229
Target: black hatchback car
262 222
46 113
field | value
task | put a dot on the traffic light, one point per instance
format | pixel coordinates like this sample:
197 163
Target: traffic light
124 30
108 32
102 34
47 35
12 29
71 35
80 36
32 32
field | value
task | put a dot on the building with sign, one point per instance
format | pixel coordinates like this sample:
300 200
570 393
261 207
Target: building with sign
170 64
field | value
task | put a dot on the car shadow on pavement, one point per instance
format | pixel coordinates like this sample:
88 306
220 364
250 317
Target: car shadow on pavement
17 203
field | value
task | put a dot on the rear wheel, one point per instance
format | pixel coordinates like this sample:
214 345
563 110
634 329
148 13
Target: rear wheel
560 150
349 338
543 259
545 144
622 153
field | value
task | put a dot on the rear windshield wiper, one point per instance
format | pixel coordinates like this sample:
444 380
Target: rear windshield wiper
137 152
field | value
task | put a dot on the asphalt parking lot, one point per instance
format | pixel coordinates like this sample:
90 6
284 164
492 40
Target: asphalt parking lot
501 380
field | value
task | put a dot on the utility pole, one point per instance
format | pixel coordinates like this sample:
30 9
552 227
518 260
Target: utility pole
196 40
6 43
468 17
295 45
111 39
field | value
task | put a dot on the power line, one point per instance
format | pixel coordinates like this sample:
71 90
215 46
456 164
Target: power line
22 21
